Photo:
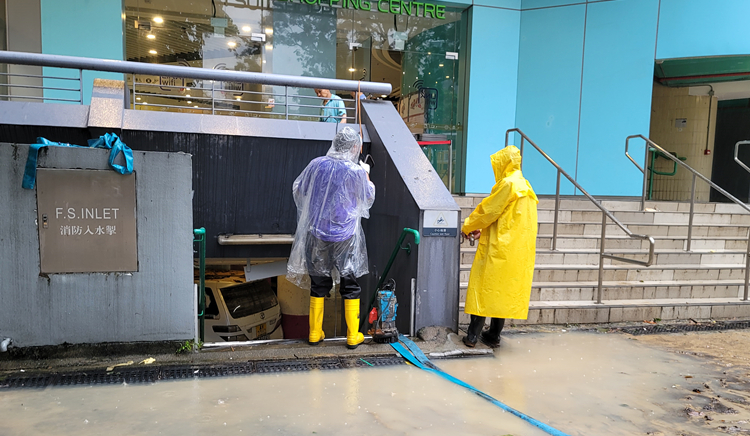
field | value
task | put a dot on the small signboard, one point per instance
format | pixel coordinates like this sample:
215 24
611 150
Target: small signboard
86 220
440 223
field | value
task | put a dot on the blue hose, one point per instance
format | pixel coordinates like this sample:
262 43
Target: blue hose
421 361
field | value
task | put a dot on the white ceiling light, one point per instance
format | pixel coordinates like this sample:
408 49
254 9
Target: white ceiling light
158 20
151 36
189 102
352 70
232 44
246 29
152 51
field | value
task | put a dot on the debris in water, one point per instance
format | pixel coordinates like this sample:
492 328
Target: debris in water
110 368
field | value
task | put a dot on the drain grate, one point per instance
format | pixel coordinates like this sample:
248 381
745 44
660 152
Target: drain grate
296 365
152 375
27 382
677 328
364 362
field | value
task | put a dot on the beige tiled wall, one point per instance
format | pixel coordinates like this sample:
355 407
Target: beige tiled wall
668 105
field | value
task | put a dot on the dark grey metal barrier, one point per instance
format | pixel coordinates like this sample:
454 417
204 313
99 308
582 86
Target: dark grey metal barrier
407 186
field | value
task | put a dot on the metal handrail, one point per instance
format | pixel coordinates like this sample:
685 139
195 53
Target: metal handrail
696 174
736 152
605 214
129 67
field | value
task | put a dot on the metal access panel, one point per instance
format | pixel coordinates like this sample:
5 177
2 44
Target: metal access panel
86 220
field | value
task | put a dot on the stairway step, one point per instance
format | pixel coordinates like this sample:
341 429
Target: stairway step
634 217
586 312
630 283
625 272
566 242
591 257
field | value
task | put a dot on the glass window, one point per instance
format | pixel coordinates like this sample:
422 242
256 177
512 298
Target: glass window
417 55
212 308
249 298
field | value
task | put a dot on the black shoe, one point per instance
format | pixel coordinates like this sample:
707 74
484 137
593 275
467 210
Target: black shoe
489 340
475 326
469 340
492 336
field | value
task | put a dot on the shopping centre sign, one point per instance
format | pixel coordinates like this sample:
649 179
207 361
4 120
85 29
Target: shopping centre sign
395 7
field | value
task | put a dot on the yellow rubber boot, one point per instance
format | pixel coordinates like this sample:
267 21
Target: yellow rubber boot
316 320
351 313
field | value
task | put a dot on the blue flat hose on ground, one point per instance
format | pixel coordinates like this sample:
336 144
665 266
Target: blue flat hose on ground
421 361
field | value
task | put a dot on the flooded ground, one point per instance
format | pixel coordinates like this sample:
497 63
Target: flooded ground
579 383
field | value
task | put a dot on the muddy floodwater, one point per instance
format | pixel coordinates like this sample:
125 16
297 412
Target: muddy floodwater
579 383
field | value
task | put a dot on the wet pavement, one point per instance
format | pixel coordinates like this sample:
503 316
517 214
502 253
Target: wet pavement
582 383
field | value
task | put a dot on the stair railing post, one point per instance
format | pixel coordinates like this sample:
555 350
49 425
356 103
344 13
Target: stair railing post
80 84
134 93
601 258
557 210
521 150
692 210
747 269
646 169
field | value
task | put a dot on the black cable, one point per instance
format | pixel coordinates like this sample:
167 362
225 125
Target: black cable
214 6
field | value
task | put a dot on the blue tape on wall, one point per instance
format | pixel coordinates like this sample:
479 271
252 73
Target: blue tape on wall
109 141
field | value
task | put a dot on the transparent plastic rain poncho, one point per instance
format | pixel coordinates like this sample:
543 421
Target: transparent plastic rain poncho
332 195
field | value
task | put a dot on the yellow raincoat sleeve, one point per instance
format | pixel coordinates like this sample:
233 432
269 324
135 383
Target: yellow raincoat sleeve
490 209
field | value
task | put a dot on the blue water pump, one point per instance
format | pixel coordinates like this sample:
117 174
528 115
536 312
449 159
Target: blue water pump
383 315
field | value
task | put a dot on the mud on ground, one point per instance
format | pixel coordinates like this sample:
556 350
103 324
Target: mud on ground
720 404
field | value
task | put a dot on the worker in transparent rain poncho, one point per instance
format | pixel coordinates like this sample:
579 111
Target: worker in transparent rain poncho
332 195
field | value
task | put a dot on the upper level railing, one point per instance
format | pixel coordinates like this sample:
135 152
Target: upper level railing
605 214
696 175
737 152
168 86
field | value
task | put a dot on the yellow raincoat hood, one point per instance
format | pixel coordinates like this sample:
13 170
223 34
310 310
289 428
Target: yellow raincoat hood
506 161
503 267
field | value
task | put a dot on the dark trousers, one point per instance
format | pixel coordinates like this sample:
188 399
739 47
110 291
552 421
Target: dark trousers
349 288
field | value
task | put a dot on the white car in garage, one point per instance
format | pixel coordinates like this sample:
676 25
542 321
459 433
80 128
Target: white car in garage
241 311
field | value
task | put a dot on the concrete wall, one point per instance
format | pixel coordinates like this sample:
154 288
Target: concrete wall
155 303
670 104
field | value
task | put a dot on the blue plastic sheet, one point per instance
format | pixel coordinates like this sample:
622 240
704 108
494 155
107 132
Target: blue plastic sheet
109 140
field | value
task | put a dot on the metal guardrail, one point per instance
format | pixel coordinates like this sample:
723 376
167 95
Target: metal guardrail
605 214
183 72
696 175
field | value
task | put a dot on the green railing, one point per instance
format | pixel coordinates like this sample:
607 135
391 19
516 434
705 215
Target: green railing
199 236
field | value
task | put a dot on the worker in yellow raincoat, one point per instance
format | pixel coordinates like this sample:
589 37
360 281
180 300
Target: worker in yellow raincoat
503 268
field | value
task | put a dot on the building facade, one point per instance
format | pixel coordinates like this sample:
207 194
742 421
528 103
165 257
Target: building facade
577 77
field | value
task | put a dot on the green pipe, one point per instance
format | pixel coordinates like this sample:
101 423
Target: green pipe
396 249
200 238
395 252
